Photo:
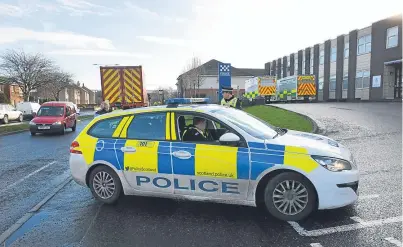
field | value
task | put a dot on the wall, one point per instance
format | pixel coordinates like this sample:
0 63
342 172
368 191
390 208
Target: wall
321 74
212 82
332 92
345 67
363 64
382 54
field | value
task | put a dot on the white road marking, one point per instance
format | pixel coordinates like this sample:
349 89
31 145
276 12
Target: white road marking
5 235
316 245
364 197
27 176
344 228
358 219
394 241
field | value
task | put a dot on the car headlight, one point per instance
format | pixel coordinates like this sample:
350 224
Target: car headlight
333 164
31 123
57 123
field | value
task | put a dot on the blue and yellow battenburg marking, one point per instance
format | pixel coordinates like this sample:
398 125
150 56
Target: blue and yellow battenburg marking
205 161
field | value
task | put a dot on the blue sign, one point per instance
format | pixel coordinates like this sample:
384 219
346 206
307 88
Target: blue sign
224 77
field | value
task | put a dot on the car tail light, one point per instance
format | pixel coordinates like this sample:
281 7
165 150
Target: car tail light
73 147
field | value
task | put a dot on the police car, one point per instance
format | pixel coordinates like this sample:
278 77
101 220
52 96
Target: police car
244 160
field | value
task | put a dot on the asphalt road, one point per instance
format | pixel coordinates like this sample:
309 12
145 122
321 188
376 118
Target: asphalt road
32 167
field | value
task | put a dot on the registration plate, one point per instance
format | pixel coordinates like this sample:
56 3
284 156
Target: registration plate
43 127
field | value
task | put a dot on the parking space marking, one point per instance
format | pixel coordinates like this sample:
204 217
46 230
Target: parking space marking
27 176
344 228
368 197
316 245
394 241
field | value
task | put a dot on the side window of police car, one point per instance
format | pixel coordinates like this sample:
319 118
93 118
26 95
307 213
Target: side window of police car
210 132
147 126
105 128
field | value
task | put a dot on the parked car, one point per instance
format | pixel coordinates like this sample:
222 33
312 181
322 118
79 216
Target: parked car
28 109
54 117
9 113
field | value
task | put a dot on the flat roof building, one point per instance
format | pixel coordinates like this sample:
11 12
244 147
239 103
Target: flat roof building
364 64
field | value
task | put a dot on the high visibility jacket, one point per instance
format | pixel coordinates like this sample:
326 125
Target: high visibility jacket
230 103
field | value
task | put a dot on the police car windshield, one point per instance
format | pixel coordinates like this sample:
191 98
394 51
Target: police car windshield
248 123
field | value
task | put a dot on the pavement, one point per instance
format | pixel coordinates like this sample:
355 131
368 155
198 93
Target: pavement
38 197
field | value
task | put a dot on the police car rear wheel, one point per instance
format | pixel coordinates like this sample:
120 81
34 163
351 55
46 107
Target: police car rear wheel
289 196
105 184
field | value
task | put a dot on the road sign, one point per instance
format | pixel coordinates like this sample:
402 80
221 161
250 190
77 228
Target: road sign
224 77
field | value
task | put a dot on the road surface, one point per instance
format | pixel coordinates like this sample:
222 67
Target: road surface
33 167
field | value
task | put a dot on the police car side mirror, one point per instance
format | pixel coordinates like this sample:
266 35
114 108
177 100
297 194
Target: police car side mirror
229 138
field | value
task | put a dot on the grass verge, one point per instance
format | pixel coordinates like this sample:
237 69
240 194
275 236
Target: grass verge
7 129
281 118
13 128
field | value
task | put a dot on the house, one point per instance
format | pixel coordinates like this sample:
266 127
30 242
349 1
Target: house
13 93
74 93
84 96
207 78
91 95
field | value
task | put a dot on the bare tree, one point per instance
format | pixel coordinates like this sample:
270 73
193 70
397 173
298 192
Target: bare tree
192 78
57 81
29 71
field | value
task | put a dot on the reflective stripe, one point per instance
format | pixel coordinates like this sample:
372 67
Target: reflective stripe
299 158
124 131
167 127
216 161
173 127
144 159
231 103
120 127
87 147
265 156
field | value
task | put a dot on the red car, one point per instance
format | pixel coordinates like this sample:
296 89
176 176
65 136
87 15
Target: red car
54 117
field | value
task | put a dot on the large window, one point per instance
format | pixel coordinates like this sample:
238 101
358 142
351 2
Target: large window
150 126
345 82
303 66
320 82
105 128
392 37
362 79
322 57
346 50
364 45
333 55
296 64
332 83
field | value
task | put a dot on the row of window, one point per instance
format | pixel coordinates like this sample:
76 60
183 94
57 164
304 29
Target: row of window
362 80
364 45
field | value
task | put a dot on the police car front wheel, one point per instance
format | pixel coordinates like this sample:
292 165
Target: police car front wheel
105 184
289 196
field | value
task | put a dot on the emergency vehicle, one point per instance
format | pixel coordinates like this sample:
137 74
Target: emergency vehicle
244 161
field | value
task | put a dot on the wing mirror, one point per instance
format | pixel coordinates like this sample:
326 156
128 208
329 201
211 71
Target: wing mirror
229 139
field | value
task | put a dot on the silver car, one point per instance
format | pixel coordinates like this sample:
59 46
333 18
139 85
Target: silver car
9 113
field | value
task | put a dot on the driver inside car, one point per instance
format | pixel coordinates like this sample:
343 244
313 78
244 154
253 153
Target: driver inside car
197 131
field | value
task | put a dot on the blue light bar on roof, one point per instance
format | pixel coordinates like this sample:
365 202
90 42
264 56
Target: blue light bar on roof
184 101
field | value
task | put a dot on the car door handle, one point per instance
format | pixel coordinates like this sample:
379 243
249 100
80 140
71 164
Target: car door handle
128 149
183 155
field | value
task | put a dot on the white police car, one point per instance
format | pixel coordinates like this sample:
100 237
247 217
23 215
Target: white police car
243 161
